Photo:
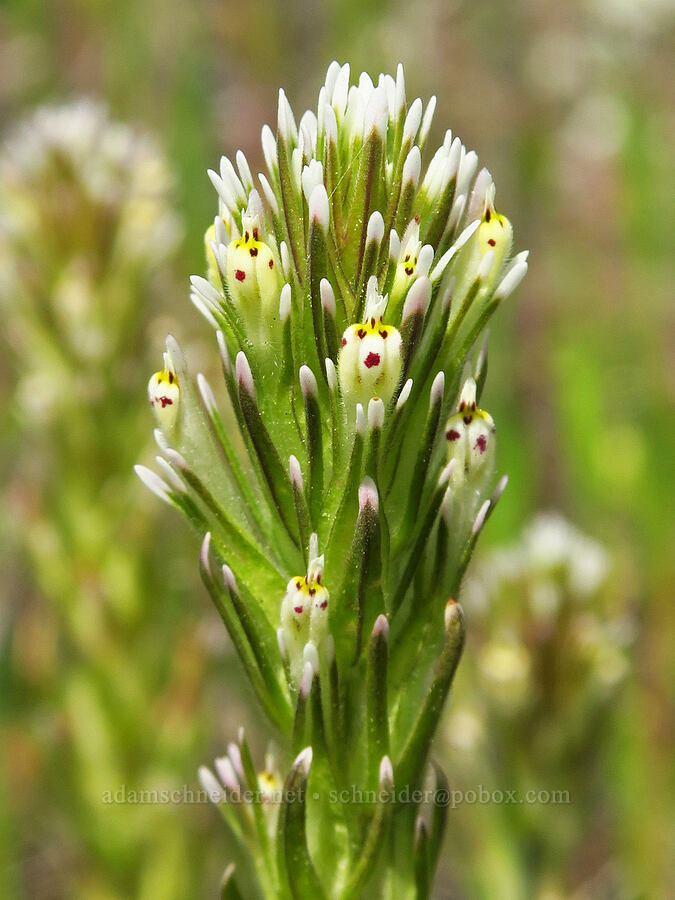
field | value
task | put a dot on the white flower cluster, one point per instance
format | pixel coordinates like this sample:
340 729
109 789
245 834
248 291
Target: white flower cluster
85 223
65 164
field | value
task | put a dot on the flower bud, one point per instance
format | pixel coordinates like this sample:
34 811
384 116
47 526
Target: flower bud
164 397
494 233
470 438
491 243
252 277
369 362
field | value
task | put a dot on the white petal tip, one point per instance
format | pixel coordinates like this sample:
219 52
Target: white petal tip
376 412
243 373
437 389
368 495
480 518
319 210
303 760
308 384
295 472
386 772
381 627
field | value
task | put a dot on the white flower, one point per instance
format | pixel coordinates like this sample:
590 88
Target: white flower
369 363
164 398
470 439
304 615
253 274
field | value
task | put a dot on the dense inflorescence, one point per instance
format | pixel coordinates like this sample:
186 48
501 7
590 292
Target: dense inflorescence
348 287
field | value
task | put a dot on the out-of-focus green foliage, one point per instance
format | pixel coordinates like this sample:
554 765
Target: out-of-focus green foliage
573 105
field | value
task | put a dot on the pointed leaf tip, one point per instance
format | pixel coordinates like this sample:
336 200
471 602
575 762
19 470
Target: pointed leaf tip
437 389
308 383
303 760
319 207
295 471
229 579
381 627
204 554
368 495
376 412
244 374
386 773
480 518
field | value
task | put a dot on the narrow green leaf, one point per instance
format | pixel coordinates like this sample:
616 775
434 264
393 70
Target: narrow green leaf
416 749
426 447
377 707
275 474
301 507
259 819
439 816
421 859
310 393
223 604
293 853
484 514
416 546
262 640
375 836
481 367
291 207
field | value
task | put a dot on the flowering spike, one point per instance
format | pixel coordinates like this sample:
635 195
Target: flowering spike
350 268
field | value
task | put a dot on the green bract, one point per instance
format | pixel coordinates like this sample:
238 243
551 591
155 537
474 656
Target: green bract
347 291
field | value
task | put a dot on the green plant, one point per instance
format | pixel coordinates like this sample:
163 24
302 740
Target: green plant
348 294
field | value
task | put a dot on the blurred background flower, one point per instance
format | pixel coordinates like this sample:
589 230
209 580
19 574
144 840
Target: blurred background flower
110 661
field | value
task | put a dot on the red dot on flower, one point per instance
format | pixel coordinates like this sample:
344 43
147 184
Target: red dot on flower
165 401
344 341
240 274
481 443
297 609
323 605
452 435
373 359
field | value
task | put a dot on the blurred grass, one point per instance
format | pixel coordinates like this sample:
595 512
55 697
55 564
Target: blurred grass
572 109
